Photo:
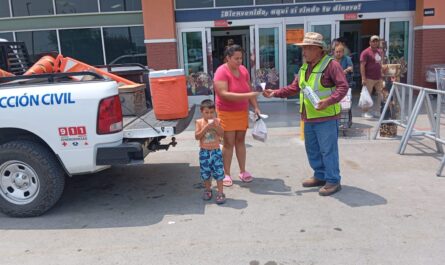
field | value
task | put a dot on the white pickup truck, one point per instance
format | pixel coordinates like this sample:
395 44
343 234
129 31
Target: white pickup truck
52 127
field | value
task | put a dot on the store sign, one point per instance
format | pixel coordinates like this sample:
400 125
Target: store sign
428 12
297 10
294 10
351 16
221 23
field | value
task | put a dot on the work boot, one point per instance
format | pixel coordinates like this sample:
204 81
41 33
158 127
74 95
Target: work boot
329 189
313 182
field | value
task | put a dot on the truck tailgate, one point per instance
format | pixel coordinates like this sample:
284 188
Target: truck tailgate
147 125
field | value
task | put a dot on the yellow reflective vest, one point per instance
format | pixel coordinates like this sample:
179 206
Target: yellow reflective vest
314 82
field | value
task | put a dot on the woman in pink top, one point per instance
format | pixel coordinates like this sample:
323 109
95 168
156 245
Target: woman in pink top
233 95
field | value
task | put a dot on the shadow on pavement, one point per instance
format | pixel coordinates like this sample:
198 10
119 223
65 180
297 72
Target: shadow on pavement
357 131
352 196
266 186
127 196
356 197
419 148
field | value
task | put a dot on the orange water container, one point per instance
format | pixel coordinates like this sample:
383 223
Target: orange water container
46 64
3 73
169 94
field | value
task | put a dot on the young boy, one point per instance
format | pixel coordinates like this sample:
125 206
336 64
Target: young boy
209 132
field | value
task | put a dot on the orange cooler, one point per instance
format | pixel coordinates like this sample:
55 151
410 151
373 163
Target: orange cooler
169 94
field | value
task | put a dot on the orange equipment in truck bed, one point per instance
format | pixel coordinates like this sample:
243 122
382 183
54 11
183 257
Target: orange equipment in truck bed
71 65
3 73
46 64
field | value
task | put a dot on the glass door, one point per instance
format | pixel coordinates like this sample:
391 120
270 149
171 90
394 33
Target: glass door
269 54
193 45
220 39
294 53
195 57
327 29
398 36
252 49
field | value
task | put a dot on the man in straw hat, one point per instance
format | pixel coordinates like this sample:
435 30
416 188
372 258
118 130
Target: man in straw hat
325 77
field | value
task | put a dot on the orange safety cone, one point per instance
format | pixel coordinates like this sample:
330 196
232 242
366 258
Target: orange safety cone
71 65
42 66
3 73
58 63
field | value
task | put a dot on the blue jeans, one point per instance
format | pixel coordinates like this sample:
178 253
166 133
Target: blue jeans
321 142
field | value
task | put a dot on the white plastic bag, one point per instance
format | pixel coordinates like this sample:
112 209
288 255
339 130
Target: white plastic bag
365 101
253 116
345 103
259 131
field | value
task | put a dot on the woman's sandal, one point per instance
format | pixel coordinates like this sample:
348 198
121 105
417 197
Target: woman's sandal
220 198
227 181
245 177
207 195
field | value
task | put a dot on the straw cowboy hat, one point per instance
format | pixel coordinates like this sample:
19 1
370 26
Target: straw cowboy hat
312 38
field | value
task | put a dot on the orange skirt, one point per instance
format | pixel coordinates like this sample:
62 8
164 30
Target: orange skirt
234 120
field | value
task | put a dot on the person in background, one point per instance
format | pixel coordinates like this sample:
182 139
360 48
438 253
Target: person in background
371 72
233 96
325 77
208 131
342 41
345 62
334 44
230 42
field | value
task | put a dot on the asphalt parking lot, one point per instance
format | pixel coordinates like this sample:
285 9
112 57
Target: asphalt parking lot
390 210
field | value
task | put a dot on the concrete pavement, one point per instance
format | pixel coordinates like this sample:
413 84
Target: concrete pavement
390 210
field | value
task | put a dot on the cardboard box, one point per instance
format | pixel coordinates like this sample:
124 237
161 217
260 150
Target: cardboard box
133 100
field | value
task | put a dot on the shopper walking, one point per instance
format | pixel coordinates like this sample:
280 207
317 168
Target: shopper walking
233 95
371 72
345 62
325 77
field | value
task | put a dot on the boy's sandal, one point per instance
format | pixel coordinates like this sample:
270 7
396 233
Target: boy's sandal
207 195
227 181
220 198
245 177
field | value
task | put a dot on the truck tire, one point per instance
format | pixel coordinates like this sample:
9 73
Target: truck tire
31 179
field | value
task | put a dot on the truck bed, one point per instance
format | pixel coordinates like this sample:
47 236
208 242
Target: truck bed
147 125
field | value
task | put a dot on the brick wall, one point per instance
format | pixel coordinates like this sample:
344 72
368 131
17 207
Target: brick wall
161 56
429 48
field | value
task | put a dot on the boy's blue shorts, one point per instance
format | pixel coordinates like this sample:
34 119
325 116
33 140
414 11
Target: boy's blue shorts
211 164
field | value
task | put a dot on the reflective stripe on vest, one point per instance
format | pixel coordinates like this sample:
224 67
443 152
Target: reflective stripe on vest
314 81
324 63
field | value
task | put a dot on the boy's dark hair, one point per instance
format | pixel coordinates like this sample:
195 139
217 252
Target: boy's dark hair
207 103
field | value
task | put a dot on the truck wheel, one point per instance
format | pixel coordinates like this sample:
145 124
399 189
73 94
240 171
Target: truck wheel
31 179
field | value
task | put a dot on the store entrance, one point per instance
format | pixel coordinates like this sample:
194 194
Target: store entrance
355 35
221 37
